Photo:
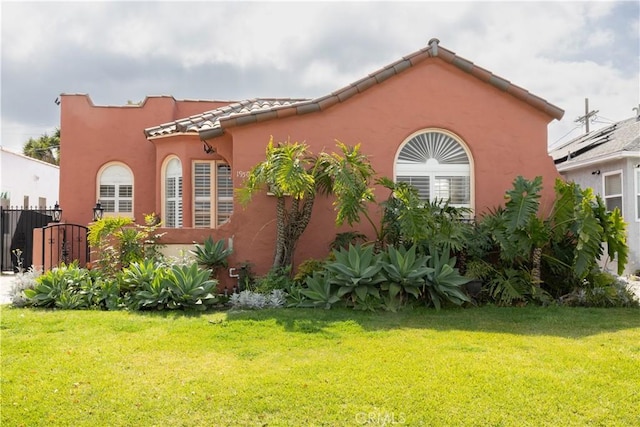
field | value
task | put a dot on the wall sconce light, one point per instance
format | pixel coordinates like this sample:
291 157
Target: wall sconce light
207 148
596 172
57 212
98 211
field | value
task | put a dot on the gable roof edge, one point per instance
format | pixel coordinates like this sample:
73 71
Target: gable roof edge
433 49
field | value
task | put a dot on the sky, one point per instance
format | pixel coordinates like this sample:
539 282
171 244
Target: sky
121 51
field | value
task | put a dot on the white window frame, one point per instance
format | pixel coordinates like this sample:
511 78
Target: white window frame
620 195
216 197
172 219
433 170
119 183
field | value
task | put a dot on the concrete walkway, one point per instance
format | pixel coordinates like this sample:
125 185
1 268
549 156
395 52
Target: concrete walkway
6 283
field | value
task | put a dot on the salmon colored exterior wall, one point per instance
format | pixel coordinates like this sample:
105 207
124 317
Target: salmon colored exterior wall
505 138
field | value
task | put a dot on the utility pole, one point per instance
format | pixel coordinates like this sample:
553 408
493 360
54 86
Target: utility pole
587 115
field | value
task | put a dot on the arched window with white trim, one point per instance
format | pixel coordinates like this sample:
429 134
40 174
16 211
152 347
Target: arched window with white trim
115 190
437 163
173 193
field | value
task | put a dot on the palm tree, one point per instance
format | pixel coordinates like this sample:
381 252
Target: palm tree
45 148
295 176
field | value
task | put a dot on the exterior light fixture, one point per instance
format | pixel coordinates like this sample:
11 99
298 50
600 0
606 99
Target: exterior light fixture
57 212
207 148
97 211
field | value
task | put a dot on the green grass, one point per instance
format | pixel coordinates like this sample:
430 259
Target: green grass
486 366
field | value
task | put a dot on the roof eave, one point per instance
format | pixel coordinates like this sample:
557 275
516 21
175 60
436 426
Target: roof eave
211 133
579 164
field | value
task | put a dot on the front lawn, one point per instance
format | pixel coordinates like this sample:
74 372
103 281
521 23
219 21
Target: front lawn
303 367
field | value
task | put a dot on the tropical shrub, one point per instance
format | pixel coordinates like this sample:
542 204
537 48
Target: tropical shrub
554 253
409 220
295 176
307 268
278 278
601 289
118 242
346 238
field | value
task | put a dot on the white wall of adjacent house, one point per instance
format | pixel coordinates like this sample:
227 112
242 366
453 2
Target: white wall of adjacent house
618 183
28 183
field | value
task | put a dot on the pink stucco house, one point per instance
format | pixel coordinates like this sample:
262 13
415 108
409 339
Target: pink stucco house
432 118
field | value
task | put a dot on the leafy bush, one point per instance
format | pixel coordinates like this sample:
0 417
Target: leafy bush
601 289
278 278
118 242
307 268
344 239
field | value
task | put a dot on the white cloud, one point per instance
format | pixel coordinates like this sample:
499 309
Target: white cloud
561 51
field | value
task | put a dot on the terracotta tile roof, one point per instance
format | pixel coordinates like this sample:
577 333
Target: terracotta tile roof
213 123
622 138
210 120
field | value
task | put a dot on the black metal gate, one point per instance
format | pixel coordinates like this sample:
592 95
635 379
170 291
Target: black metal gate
63 243
16 235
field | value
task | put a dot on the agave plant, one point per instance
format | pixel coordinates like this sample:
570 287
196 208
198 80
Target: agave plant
151 295
190 288
357 272
405 272
319 291
212 255
443 281
49 288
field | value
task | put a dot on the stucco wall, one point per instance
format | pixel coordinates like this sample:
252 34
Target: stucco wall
92 136
506 138
23 176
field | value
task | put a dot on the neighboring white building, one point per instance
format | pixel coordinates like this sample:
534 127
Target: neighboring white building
608 160
28 182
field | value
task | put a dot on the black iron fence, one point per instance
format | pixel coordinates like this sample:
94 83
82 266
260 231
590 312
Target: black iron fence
62 243
16 235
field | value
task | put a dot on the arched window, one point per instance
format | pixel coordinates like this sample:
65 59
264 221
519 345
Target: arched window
115 190
173 193
438 165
